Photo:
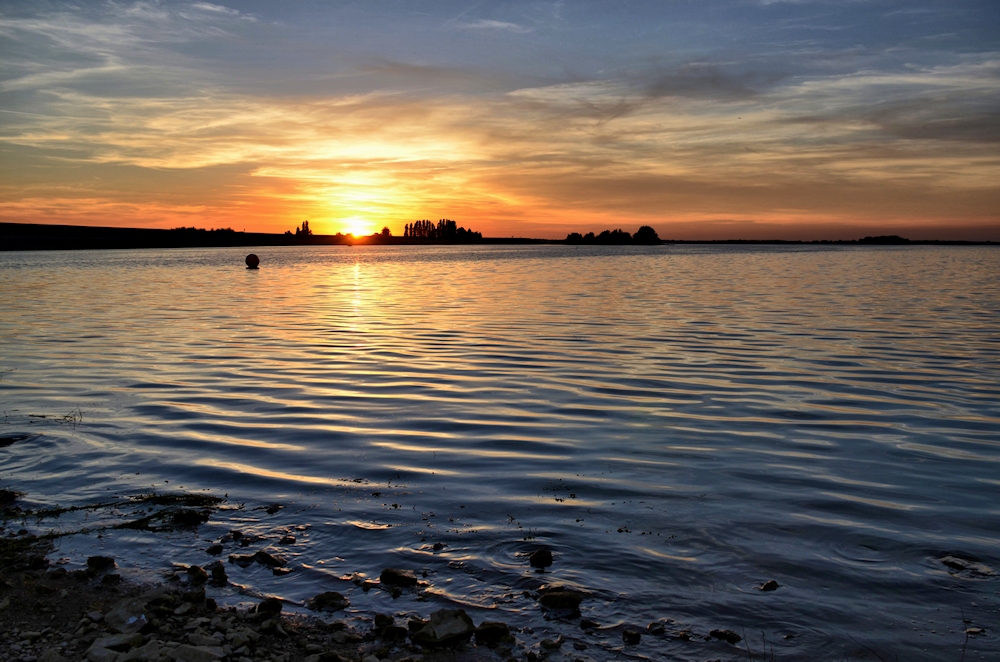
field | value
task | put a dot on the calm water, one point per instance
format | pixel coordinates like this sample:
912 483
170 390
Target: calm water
678 424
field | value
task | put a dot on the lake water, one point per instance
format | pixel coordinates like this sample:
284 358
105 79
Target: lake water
678 424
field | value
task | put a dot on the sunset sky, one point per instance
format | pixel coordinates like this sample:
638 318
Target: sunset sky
791 119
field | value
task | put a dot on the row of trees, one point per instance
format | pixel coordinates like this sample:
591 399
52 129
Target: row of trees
644 235
445 229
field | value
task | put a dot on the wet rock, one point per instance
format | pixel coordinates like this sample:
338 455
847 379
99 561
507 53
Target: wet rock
242 560
769 585
127 616
394 633
197 575
287 540
99 563
398 577
189 653
446 627
491 633
215 549
187 517
560 599
587 624
684 635
329 601
235 534
631 637
438 546
975 631
967 566
415 624
552 644
382 621
219 576
270 560
540 558
270 607
726 635
273 508
656 629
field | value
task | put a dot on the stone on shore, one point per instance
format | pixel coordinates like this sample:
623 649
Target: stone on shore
127 616
446 627
270 607
100 562
118 642
189 653
491 633
328 601
398 577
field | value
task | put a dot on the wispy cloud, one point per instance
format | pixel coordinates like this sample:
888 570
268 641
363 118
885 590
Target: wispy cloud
487 24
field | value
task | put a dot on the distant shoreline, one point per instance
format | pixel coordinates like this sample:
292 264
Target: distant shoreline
36 236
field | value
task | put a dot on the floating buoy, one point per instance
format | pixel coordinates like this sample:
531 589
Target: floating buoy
252 261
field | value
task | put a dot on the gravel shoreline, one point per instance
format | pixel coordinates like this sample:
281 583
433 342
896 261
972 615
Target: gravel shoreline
51 614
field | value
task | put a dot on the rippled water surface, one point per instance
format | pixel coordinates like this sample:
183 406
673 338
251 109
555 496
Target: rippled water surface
679 424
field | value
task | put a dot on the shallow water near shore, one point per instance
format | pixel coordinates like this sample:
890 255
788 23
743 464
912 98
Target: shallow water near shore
678 424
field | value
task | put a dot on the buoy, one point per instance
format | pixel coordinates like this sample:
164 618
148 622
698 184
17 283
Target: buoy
252 261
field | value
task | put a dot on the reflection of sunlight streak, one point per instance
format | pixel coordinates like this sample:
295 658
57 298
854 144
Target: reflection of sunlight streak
874 502
268 473
477 452
653 552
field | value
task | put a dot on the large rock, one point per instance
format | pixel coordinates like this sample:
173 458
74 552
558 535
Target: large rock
127 616
329 601
118 642
398 577
188 653
446 627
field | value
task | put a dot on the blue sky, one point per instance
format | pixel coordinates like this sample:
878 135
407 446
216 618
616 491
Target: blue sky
704 119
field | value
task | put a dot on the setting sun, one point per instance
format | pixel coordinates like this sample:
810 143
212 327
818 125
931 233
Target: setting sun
359 227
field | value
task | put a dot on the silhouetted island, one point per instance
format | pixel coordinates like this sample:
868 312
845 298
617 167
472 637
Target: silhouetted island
643 236
36 236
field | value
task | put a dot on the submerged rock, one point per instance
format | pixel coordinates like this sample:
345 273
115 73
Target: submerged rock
561 599
769 585
271 560
446 627
656 629
726 635
540 558
631 637
329 601
398 577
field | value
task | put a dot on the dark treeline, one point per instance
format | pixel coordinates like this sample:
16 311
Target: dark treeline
643 236
445 230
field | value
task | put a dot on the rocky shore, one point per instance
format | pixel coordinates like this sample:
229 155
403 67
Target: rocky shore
52 615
